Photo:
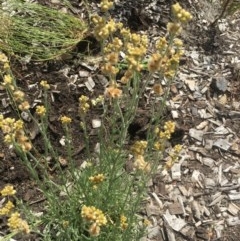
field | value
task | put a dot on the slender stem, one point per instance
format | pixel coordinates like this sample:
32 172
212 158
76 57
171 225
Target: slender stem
224 9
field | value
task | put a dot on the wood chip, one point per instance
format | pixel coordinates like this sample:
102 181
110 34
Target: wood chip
176 171
175 223
90 84
188 231
234 196
175 208
222 144
233 221
233 209
196 134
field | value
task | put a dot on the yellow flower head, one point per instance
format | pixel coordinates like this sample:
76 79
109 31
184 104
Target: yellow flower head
162 44
181 14
98 100
94 230
8 190
3 58
7 79
105 5
157 88
177 148
127 76
97 178
7 208
45 84
65 120
109 69
113 92
169 126
93 215
140 164
41 110
154 63
15 223
24 105
123 222
18 125
26 146
112 58
6 66
139 147
178 42
146 222
83 104
18 95
174 28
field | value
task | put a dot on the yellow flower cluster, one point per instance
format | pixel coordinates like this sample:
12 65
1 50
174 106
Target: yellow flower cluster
169 49
173 156
111 56
105 5
138 149
169 128
15 223
141 164
104 28
3 58
14 133
97 178
166 61
41 110
96 218
83 104
7 208
181 14
8 190
65 120
123 222
113 92
9 84
45 85
98 100
136 48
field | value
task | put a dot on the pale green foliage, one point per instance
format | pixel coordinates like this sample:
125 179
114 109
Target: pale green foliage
37 32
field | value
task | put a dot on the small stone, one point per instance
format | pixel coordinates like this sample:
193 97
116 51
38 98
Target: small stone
96 123
220 84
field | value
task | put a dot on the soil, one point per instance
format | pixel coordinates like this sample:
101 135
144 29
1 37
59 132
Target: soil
65 92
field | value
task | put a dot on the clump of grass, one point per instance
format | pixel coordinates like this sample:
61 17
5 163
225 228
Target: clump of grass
36 32
101 199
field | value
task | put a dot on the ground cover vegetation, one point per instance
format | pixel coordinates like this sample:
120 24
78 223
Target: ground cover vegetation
35 32
101 199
